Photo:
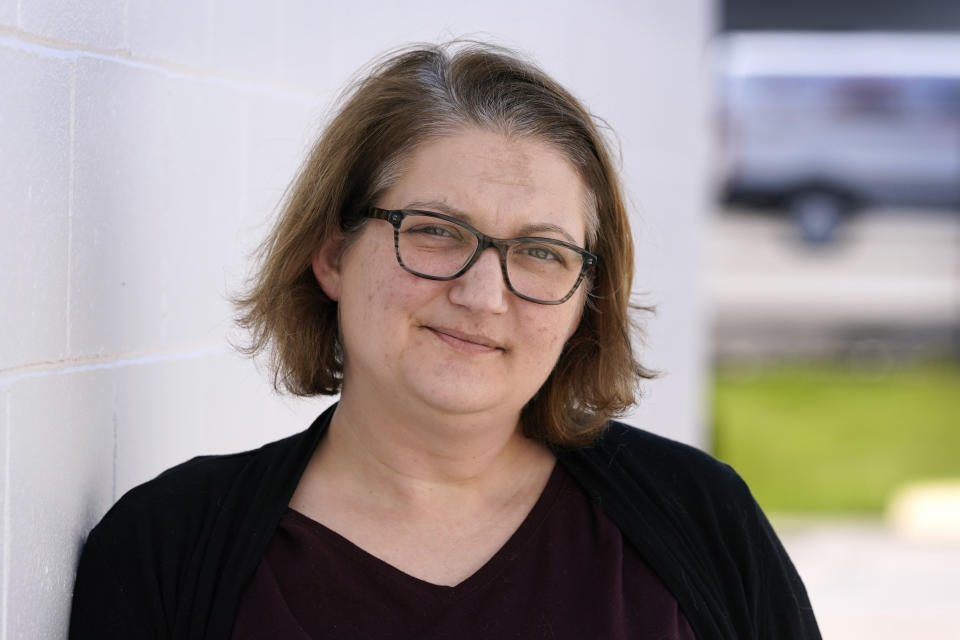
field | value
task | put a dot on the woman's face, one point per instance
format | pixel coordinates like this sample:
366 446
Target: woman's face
468 345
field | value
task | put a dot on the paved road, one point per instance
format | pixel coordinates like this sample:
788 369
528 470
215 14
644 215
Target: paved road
888 271
866 582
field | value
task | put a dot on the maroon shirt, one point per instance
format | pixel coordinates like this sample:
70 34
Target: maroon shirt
565 573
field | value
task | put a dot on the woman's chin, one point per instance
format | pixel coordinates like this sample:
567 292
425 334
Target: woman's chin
460 398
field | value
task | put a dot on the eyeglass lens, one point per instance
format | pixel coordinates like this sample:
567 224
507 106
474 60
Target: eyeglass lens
436 247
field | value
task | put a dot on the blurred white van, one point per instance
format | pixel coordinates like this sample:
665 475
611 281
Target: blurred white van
821 125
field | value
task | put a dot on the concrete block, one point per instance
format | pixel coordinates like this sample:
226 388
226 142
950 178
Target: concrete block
241 410
160 186
60 485
244 38
158 419
323 44
5 461
206 184
120 257
8 13
175 30
99 24
171 411
281 132
311 55
122 250
34 192
926 511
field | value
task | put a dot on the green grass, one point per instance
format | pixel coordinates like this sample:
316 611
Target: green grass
830 438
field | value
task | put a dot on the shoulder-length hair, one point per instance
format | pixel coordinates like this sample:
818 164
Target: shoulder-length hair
406 98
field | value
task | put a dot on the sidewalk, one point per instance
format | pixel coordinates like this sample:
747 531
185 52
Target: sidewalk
866 582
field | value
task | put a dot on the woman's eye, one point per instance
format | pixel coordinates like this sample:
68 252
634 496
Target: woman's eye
435 230
542 253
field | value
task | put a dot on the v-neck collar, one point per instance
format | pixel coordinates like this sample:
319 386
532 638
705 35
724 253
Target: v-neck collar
493 567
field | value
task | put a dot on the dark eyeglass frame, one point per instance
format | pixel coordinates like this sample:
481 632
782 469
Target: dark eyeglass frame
502 245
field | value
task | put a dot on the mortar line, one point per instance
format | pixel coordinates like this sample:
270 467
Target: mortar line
30 43
66 367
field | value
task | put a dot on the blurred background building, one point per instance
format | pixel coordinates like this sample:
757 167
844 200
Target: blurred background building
833 270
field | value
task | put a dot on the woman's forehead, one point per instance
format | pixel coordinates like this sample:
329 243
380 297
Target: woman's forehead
488 178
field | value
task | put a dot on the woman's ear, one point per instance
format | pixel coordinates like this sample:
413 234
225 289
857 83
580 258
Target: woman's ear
326 265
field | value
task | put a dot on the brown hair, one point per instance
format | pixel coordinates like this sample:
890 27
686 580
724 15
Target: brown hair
406 98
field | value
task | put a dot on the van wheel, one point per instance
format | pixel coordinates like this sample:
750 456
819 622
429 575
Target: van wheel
817 215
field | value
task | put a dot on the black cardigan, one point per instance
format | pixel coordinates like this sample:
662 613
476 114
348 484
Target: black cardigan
172 558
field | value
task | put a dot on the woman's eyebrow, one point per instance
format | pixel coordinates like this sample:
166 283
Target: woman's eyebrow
541 227
441 207
525 230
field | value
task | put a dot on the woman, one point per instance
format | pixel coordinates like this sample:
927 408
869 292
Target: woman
454 259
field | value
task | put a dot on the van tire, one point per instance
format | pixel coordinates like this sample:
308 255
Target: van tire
817 215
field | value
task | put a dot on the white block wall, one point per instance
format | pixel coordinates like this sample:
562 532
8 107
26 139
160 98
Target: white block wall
143 145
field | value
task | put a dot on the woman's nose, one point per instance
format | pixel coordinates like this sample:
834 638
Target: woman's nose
482 287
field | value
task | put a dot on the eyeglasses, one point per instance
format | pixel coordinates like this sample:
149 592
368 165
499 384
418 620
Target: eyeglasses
438 247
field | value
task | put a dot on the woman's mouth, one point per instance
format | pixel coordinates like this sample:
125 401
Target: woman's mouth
465 342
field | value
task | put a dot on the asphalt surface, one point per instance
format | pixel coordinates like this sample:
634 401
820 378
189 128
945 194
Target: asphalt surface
889 275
